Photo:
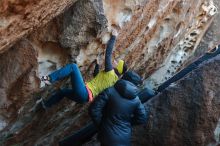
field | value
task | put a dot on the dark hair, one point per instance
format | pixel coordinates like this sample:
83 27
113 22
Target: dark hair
133 77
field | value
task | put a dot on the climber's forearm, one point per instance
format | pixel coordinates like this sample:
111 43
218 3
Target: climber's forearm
108 54
96 70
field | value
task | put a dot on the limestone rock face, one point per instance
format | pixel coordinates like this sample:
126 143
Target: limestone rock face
18 78
19 18
186 113
156 38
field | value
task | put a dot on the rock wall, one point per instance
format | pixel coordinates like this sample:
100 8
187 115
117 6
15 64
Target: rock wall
185 114
18 78
183 50
36 37
19 18
211 37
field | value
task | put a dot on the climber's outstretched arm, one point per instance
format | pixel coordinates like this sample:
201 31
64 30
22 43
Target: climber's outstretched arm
108 53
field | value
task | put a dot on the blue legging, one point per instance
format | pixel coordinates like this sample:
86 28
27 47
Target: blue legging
78 93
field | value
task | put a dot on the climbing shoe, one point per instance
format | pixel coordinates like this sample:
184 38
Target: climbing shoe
46 80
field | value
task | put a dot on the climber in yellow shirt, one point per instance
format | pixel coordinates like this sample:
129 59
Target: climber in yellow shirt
82 92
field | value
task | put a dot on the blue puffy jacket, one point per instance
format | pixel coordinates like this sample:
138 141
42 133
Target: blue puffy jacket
115 110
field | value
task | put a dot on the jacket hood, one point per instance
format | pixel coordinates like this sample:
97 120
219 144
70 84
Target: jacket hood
126 89
132 77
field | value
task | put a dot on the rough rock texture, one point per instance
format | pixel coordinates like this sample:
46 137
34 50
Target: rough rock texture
186 113
18 18
36 37
212 36
18 78
181 52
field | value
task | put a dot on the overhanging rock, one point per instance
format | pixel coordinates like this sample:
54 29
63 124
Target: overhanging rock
187 112
39 36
